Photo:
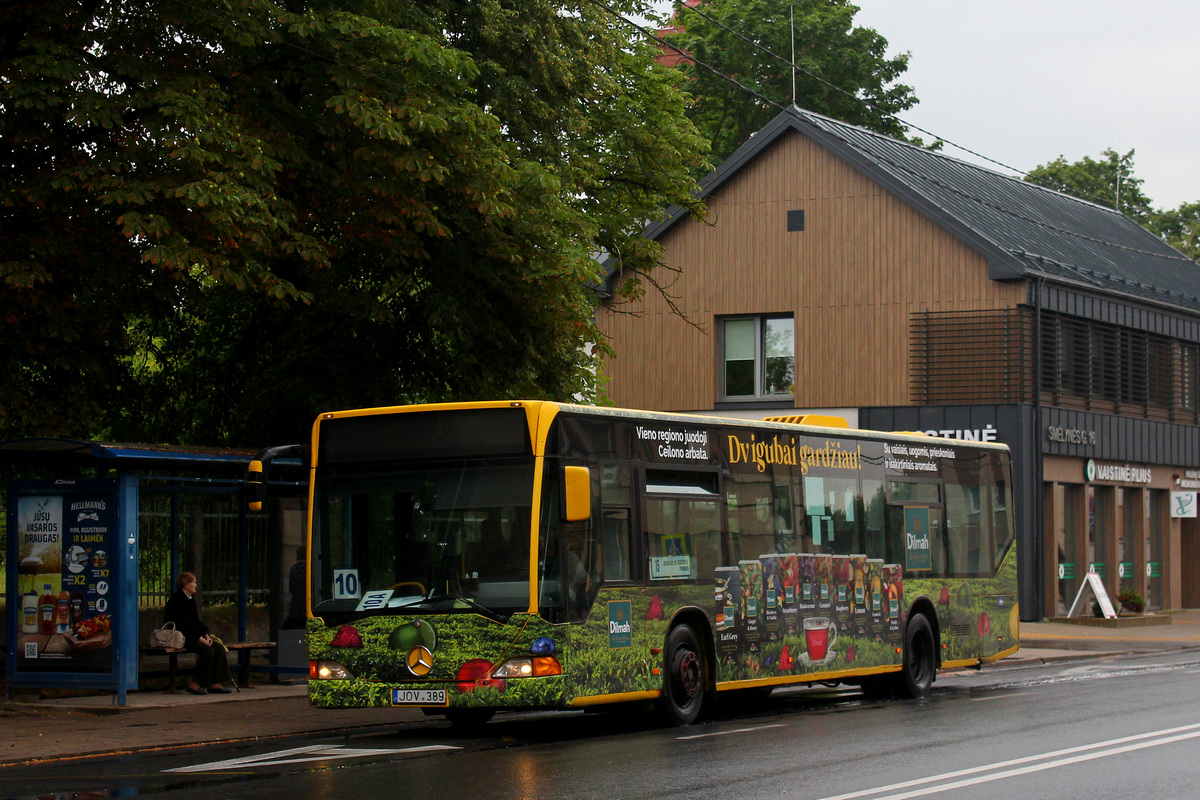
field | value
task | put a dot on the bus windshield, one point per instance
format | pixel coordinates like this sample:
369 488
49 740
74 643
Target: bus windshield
434 539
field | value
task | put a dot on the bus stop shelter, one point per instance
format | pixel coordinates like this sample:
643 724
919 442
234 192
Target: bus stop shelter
97 533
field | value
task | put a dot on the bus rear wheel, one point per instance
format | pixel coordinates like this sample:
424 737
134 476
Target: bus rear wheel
684 677
920 659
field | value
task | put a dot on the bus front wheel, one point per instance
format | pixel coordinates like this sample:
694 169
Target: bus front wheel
684 676
920 659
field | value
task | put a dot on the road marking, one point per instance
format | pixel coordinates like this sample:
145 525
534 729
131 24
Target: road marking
1071 755
726 733
298 755
1048 640
997 697
1090 673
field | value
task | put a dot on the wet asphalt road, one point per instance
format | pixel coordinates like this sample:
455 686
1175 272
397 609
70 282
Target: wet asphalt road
1114 727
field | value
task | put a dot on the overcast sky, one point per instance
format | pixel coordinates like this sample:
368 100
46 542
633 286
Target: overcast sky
1025 81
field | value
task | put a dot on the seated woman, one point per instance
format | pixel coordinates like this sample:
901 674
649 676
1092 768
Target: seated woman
212 664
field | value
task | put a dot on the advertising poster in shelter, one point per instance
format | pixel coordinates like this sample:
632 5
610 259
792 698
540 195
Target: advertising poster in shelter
64 582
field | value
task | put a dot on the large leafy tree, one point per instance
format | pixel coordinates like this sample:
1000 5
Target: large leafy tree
1110 181
839 66
224 217
1181 227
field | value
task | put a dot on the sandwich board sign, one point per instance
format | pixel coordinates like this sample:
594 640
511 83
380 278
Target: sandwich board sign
1095 586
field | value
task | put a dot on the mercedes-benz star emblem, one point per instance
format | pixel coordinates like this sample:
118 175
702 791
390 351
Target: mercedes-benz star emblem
420 661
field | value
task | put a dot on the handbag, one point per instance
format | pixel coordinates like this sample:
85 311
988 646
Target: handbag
167 636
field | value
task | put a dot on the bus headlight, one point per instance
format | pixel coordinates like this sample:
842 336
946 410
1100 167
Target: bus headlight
527 667
328 671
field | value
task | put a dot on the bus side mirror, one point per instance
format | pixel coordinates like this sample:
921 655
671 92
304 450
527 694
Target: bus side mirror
577 492
256 471
256 487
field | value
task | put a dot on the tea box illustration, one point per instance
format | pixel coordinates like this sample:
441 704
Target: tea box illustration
858 582
875 599
772 598
789 568
809 588
857 590
893 592
841 609
826 588
728 598
751 605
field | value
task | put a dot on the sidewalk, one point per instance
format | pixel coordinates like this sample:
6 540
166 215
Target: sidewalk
1056 639
72 727
153 719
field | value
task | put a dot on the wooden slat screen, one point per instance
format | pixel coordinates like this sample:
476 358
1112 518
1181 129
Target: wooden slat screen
972 356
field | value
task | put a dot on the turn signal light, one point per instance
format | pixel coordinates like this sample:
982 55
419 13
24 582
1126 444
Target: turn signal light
526 667
328 670
546 665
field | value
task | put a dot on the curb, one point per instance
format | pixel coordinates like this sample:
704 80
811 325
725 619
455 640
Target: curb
1143 621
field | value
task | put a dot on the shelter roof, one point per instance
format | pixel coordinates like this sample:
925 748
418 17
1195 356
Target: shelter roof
49 451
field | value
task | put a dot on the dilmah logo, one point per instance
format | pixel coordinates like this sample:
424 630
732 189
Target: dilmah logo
620 624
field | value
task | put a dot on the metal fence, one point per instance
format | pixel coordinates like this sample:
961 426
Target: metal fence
208 547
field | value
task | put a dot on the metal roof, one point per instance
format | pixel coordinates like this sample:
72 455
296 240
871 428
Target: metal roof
73 451
1023 230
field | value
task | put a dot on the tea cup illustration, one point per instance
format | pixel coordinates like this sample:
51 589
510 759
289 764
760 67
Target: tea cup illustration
819 635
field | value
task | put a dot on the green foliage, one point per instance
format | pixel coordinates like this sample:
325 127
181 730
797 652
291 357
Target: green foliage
830 49
1180 227
596 668
980 616
224 218
1131 601
1110 181
460 638
978 620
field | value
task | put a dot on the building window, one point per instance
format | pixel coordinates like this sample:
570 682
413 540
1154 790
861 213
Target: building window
1087 361
758 357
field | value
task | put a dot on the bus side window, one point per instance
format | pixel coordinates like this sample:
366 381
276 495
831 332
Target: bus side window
583 569
615 496
874 503
941 545
677 526
614 539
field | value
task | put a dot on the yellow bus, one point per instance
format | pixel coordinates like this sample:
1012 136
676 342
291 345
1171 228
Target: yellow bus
466 558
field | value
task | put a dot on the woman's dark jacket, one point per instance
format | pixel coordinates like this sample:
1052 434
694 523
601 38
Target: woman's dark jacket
182 610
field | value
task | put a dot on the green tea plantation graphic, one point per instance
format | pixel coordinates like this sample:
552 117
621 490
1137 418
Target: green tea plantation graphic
617 649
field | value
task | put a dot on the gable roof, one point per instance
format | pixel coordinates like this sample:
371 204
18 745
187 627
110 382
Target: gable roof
1023 230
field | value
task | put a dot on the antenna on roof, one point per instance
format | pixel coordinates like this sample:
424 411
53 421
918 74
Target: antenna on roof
792 20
